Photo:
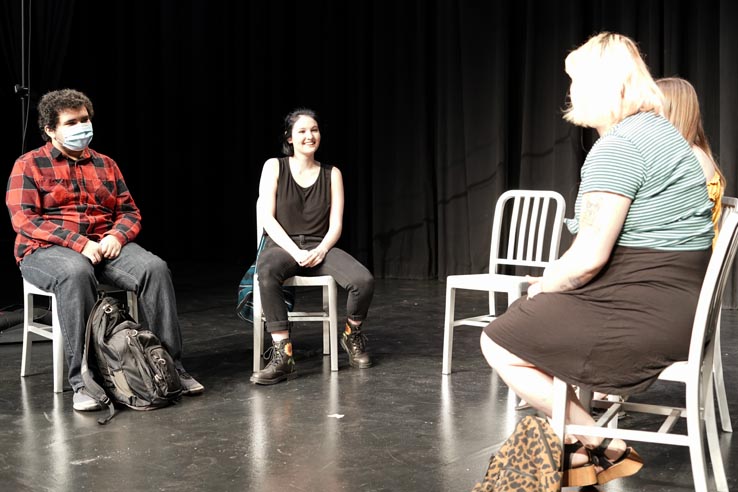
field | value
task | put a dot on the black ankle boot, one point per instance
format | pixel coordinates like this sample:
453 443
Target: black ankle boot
354 344
280 367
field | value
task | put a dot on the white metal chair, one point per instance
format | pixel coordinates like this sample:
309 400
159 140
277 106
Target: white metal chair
695 373
533 240
53 331
729 205
328 316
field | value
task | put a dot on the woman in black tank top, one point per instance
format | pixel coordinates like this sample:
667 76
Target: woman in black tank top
300 208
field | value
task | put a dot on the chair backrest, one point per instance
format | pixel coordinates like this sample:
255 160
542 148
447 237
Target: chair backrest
259 227
728 204
533 232
709 303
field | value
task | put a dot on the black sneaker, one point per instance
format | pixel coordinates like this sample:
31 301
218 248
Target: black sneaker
280 367
355 346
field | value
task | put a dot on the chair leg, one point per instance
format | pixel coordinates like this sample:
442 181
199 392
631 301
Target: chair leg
258 329
713 444
695 433
722 398
326 323
492 303
512 296
57 346
448 330
27 344
613 423
585 396
333 314
132 301
558 408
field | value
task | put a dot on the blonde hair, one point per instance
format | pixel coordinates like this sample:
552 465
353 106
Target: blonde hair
612 82
682 108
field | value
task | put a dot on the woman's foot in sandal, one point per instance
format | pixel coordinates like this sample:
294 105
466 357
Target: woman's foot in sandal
579 471
615 463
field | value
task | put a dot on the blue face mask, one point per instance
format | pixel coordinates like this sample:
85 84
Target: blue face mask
77 137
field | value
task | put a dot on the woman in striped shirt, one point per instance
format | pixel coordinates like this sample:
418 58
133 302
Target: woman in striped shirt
617 307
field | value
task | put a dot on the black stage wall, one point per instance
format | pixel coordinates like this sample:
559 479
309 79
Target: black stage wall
431 108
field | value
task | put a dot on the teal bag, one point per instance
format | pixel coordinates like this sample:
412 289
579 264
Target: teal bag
245 306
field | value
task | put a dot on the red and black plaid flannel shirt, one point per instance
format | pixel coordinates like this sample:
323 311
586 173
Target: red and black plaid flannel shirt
53 200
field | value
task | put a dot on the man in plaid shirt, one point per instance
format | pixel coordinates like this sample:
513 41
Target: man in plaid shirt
75 221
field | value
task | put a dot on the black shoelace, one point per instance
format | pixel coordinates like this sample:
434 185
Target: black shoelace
358 341
273 355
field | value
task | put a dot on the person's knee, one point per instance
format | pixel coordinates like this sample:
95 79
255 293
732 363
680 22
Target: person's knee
79 272
155 266
496 356
152 270
270 266
365 284
268 280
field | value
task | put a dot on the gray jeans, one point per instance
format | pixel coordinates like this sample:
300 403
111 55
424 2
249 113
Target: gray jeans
74 279
275 265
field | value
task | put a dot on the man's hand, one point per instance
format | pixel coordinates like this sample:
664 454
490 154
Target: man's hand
92 251
110 247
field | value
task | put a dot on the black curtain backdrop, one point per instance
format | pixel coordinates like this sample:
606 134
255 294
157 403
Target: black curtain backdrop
431 108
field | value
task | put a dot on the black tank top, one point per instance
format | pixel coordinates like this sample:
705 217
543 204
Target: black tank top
301 210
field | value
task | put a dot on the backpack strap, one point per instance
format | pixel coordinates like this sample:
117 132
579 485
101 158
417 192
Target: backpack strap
93 389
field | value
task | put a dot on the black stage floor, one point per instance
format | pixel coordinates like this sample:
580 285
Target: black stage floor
399 426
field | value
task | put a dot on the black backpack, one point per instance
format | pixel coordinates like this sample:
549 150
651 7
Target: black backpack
133 367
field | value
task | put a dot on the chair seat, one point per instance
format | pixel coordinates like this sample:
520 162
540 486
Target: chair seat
677 372
486 282
298 281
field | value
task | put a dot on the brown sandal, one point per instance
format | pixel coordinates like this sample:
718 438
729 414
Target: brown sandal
629 463
579 476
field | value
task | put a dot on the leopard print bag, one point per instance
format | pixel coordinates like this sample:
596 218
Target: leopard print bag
529 461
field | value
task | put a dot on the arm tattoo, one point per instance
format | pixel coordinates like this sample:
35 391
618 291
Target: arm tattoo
591 208
574 283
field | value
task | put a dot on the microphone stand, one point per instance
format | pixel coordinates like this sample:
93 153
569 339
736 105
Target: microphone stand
23 90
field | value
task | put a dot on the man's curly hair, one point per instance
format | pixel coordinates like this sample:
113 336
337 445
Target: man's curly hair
54 102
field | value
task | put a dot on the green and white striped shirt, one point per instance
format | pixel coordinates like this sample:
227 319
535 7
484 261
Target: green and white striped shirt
646 159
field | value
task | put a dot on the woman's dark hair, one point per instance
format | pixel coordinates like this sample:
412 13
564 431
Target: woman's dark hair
54 102
289 122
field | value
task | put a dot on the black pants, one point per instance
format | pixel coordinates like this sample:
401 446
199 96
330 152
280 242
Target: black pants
275 265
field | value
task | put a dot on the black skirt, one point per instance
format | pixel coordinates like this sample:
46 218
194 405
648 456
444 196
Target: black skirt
618 332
